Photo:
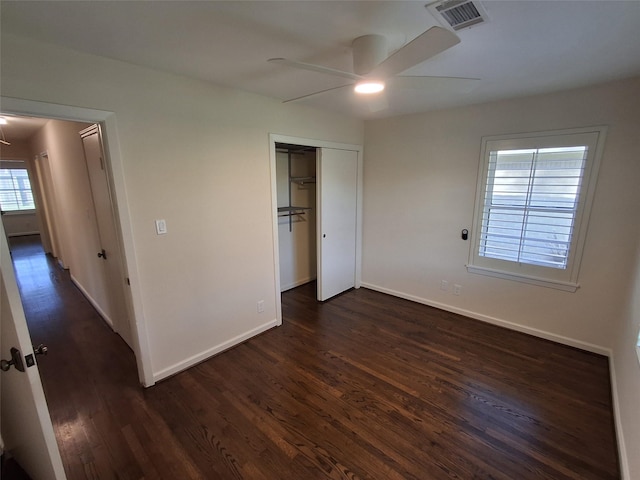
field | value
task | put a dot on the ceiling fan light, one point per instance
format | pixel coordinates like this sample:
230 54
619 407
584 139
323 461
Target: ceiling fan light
369 87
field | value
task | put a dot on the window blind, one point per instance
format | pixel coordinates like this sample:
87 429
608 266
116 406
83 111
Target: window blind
530 204
15 190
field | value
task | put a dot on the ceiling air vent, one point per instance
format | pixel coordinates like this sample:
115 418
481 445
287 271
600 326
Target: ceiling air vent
458 14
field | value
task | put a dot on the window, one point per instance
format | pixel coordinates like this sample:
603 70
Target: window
15 190
532 205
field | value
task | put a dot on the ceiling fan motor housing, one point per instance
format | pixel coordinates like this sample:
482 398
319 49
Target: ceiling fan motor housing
368 52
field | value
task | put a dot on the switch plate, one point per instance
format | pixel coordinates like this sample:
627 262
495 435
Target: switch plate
161 227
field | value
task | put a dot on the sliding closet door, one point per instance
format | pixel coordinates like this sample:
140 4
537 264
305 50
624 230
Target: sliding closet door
337 181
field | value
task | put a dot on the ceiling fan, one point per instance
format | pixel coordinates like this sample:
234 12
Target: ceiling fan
373 69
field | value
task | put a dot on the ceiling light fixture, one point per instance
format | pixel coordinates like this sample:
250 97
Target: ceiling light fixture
368 87
3 141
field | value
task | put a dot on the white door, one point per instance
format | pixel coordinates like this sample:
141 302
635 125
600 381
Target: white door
50 236
110 257
337 186
25 423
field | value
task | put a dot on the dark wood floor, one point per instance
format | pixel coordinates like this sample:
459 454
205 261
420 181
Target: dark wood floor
365 386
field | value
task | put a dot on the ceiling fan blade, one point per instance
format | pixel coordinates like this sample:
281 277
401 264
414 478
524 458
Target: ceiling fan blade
421 48
317 93
314 68
436 84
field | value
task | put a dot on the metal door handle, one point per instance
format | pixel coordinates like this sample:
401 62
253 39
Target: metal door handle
102 254
41 349
16 361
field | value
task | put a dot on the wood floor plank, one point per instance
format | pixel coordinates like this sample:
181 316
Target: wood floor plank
364 386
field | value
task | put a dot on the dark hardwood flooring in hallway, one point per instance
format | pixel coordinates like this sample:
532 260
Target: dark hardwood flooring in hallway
365 386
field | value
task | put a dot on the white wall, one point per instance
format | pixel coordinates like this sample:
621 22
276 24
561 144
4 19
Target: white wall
420 182
18 224
197 156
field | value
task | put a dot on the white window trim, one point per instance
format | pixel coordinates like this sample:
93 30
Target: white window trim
566 280
542 282
12 213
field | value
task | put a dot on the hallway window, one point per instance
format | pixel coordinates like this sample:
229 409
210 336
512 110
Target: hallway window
15 190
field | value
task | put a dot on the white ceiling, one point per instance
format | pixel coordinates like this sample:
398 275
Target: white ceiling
527 47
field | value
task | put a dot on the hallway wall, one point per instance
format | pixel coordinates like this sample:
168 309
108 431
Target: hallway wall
74 214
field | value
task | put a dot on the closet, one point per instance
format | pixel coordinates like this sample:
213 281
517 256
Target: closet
296 193
318 204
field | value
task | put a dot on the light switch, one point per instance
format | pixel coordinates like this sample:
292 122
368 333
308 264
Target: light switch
161 227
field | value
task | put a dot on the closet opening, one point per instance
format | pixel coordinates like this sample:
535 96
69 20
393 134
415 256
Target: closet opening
296 198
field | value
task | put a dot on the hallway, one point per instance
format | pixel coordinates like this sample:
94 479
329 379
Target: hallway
89 373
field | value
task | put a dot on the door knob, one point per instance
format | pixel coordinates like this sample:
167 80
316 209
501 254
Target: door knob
16 361
102 254
41 349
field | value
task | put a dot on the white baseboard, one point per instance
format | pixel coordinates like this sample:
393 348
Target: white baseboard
297 283
195 359
100 311
615 399
22 234
496 321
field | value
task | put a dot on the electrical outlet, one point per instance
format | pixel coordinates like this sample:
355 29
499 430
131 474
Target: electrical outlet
457 289
261 306
444 285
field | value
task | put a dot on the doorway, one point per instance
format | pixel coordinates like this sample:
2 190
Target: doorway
89 375
114 166
75 212
321 181
296 185
108 259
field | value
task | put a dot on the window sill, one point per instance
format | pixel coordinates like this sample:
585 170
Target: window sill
541 282
11 213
